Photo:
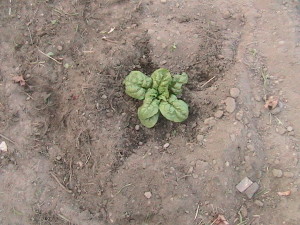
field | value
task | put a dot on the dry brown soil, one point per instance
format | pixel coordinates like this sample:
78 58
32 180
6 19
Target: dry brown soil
74 154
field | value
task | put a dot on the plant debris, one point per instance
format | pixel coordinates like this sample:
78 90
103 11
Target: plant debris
19 79
221 220
284 193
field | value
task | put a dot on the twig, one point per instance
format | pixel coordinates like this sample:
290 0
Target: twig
208 81
9 9
188 175
30 35
60 184
127 185
8 139
197 211
108 40
88 158
49 57
64 218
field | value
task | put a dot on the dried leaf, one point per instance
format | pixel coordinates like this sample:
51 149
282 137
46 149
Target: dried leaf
221 220
271 102
19 79
284 193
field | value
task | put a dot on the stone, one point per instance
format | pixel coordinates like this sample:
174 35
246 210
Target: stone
163 62
191 169
3 146
234 92
280 130
137 127
239 115
250 147
251 190
288 174
257 98
200 137
230 104
163 1
259 203
210 121
244 184
244 211
166 145
59 48
289 128
104 97
277 173
219 114
148 194
227 164
150 31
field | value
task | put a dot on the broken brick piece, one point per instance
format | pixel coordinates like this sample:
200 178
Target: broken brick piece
250 191
244 184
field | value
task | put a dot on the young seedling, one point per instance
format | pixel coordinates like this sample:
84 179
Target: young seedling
159 94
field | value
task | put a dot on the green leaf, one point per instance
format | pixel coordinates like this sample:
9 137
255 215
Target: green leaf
136 84
174 109
150 122
161 80
148 113
177 82
50 54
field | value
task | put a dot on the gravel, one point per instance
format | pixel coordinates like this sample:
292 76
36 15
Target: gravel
230 104
277 173
234 92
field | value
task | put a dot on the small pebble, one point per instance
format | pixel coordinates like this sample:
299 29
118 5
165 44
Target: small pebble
219 114
244 211
148 194
277 173
257 98
250 147
200 137
137 127
227 164
163 1
59 48
210 121
234 92
104 97
195 176
163 62
166 145
289 128
280 130
239 115
259 203
288 174
58 157
191 169
230 104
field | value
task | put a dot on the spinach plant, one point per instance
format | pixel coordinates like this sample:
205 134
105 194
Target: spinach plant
159 94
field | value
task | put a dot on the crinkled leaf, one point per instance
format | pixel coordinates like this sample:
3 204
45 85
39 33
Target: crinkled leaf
150 105
177 82
150 122
174 109
136 84
161 81
148 113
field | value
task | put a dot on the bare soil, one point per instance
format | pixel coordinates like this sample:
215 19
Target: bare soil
75 153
